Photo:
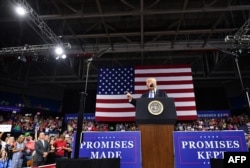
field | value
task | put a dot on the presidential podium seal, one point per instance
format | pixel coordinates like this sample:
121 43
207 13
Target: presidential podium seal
155 107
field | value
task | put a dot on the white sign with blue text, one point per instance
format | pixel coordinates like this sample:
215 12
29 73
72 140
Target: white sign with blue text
123 145
194 149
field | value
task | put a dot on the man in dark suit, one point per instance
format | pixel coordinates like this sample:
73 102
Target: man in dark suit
153 92
41 150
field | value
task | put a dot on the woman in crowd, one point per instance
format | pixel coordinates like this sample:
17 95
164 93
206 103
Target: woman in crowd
5 162
2 143
19 148
29 149
68 149
51 156
60 146
10 143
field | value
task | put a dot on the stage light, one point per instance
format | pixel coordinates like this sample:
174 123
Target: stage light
20 10
59 50
60 53
64 56
22 58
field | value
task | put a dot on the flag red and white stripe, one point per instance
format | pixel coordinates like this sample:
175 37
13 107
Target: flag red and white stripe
176 80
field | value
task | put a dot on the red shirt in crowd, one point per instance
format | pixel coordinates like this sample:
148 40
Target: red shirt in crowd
59 145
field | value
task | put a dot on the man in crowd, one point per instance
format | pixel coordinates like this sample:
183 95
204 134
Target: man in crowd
41 150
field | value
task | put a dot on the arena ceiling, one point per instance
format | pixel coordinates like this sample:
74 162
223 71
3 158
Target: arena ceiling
122 33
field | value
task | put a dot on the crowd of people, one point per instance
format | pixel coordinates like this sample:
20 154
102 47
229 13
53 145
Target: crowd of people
216 124
51 138
26 123
37 139
33 150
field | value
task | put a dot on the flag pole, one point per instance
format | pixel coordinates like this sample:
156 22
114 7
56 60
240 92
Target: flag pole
79 133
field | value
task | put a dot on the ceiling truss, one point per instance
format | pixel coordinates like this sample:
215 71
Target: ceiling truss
137 33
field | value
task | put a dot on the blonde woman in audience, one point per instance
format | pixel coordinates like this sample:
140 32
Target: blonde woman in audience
5 162
18 151
10 146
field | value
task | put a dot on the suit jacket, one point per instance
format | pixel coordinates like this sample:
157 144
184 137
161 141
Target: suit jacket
158 93
39 149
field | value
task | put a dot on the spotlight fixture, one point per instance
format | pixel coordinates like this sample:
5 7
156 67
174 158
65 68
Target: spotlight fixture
22 58
20 10
59 50
64 56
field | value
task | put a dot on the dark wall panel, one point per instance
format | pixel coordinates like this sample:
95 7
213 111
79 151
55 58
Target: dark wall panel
71 101
211 98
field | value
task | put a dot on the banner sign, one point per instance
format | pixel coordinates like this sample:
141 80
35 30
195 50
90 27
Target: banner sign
123 145
12 109
194 149
213 113
87 116
5 128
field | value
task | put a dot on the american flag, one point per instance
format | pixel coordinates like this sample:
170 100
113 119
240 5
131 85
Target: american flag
112 103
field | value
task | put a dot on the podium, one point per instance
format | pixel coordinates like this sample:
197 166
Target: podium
156 118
